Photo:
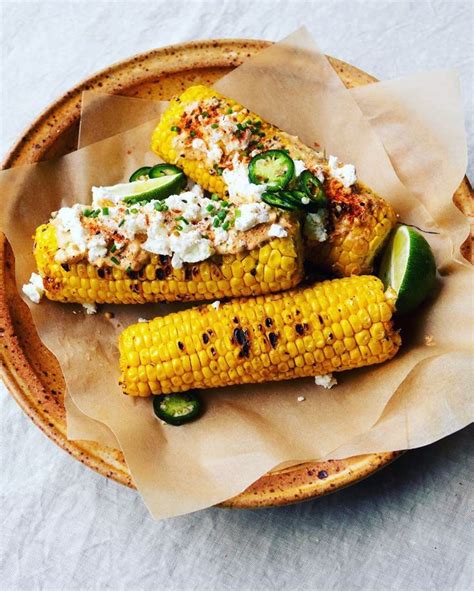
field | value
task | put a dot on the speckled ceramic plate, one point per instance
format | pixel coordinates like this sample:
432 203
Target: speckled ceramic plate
32 373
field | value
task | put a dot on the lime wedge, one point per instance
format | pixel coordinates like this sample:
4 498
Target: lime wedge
147 190
408 266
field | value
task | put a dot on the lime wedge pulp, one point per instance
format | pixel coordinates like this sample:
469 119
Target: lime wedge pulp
148 189
408 266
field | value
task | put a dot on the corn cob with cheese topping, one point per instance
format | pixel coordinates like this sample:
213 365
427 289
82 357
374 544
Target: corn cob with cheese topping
330 327
213 139
186 247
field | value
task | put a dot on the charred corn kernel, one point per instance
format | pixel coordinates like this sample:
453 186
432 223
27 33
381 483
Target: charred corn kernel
259 339
159 281
360 220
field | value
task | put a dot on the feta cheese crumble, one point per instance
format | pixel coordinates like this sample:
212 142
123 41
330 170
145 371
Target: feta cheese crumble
345 173
252 214
315 226
34 289
326 381
216 305
301 399
238 183
277 231
90 308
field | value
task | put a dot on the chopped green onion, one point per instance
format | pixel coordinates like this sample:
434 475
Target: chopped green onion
215 125
237 213
113 248
215 197
229 111
210 208
221 214
192 133
115 260
178 227
105 211
134 210
260 146
183 219
121 223
225 203
257 123
226 225
216 222
204 114
241 127
175 128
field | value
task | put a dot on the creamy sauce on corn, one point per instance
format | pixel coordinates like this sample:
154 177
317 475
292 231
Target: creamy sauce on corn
188 227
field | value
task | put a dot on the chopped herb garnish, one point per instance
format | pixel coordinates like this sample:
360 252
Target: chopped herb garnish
105 211
204 114
115 260
225 203
158 206
219 170
113 248
210 208
192 133
121 223
215 125
237 213
226 225
175 128
221 215
164 207
216 222
215 197
182 219
134 210
87 212
229 111
260 146
241 127
179 227
261 134
257 123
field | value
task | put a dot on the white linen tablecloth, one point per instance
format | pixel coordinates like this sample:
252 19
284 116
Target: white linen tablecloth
63 527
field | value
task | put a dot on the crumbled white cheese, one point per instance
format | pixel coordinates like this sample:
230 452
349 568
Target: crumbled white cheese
70 234
96 248
90 308
105 196
277 231
189 247
158 240
142 320
238 183
301 399
220 236
299 167
315 226
251 214
216 305
34 289
346 173
326 381
190 204
198 144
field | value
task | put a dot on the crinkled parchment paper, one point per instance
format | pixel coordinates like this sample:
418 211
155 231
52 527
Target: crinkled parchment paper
420 396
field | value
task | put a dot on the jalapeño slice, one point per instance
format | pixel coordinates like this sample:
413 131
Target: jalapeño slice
177 409
273 168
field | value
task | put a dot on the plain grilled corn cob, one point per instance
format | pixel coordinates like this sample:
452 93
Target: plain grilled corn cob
332 326
274 266
359 221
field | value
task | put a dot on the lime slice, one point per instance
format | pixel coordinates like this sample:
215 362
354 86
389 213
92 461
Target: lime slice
147 190
408 266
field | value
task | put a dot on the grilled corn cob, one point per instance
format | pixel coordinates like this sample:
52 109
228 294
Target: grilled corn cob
206 134
275 266
332 326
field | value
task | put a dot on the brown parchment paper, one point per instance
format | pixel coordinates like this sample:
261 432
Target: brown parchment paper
420 396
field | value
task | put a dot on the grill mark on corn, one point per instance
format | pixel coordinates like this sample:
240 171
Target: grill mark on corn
241 337
273 338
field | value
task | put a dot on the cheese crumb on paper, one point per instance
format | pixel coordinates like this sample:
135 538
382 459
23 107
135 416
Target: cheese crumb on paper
327 381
